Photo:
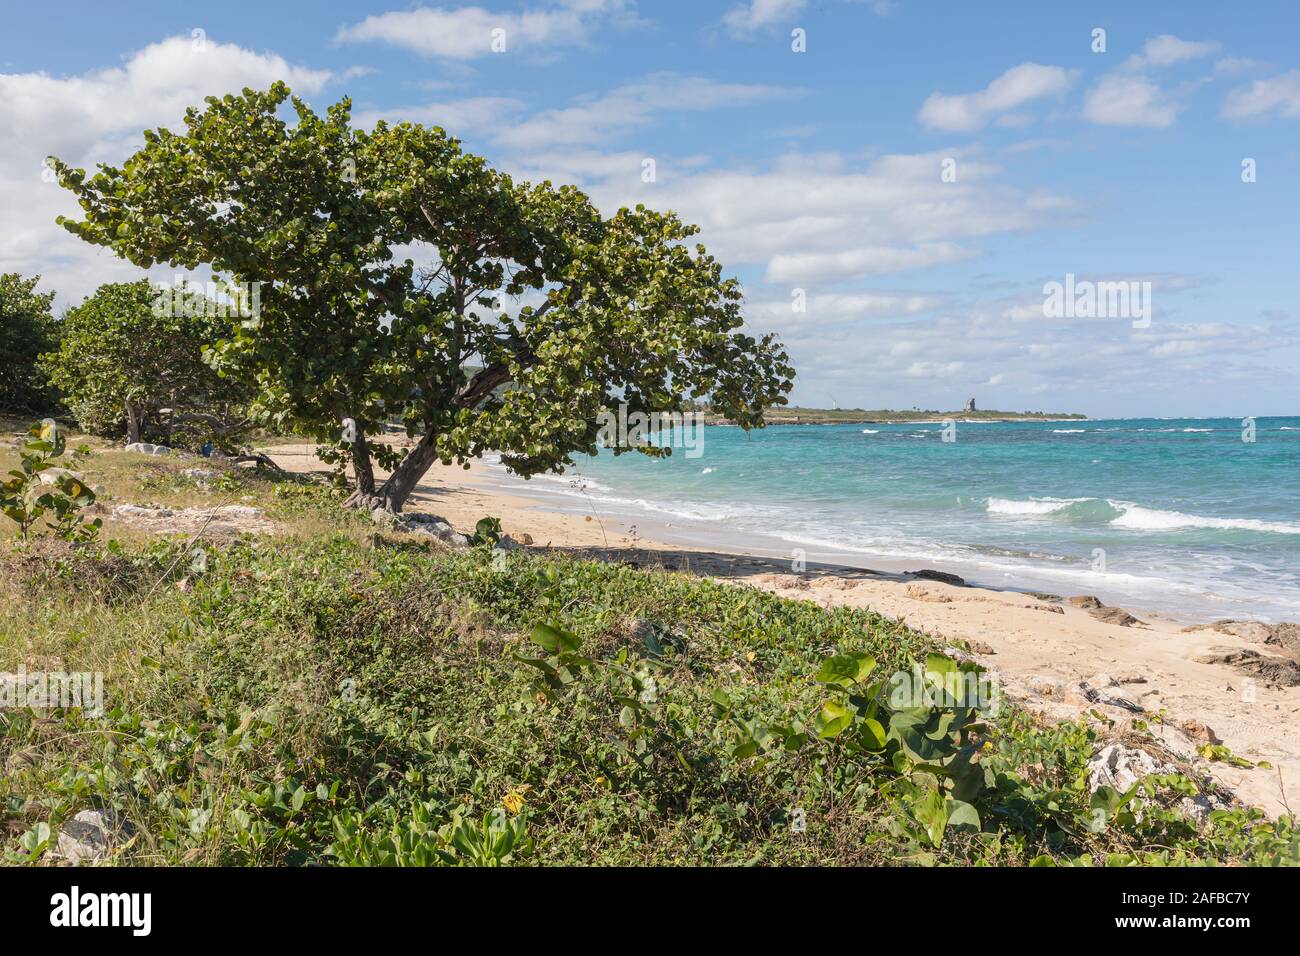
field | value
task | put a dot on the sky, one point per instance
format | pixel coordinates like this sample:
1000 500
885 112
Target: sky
894 182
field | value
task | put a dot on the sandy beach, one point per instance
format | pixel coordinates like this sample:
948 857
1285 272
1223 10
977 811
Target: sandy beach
1195 684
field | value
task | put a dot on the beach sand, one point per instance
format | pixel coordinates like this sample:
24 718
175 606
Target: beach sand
1040 649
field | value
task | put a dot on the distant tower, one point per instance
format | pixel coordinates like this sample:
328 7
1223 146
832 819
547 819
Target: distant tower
970 405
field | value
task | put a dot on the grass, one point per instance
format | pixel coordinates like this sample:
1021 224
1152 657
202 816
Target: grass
336 696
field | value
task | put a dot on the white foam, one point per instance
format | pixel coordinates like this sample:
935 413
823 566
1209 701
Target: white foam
1154 519
1068 431
1034 506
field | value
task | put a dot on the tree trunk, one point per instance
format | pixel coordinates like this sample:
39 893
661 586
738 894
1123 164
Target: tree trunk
402 482
134 422
392 494
363 495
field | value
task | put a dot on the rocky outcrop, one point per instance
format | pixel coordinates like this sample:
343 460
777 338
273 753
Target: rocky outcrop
1278 671
226 519
929 574
1114 615
92 835
420 523
144 448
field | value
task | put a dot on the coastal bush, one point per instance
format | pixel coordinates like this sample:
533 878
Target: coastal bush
348 698
25 497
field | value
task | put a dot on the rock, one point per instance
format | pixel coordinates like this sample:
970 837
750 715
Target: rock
1045 596
1285 635
144 448
136 511
225 520
920 593
200 474
1121 767
1053 608
92 834
240 511
1281 671
507 543
929 574
1198 731
50 475
1114 615
525 538
1200 807
435 527
1094 696
386 519
979 647
1084 600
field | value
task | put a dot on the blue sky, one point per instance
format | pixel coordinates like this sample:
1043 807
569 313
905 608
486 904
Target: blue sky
817 171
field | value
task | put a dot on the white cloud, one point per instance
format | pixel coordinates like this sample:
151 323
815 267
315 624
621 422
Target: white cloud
1129 97
457 117
1129 100
755 15
99 116
821 219
1277 96
829 308
628 107
966 112
751 16
466 33
1167 50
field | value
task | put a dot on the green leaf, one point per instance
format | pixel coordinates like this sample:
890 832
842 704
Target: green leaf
845 670
832 720
554 639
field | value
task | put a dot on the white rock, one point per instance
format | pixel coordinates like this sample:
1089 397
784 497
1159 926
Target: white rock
50 475
145 448
136 511
92 834
240 511
1121 767
420 523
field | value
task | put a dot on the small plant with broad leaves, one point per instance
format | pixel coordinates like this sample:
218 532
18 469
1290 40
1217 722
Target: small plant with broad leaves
25 498
487 531
415 838
923 724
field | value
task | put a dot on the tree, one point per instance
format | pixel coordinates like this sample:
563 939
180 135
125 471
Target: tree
27 328
125 354
529 315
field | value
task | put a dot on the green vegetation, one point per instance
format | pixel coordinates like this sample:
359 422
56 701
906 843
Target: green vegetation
25 497
335 695
120 362
27 329
565 312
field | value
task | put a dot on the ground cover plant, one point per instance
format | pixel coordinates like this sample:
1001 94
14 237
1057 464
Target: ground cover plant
332 695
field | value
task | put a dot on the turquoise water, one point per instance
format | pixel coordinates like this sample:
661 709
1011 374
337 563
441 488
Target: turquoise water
1180 515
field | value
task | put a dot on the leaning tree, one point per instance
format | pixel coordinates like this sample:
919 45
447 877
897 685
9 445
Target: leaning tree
528 314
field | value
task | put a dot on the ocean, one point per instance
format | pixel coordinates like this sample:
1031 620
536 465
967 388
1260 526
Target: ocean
1177 515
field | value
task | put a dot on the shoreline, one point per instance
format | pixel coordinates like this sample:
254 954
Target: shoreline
1191 682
